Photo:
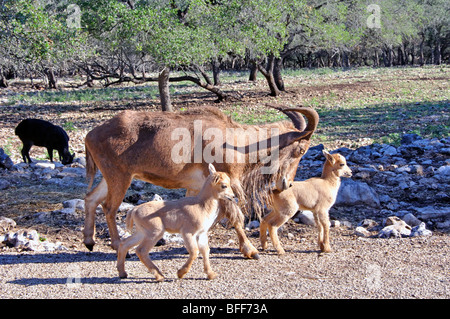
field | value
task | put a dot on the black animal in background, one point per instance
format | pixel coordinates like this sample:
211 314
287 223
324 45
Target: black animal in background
42 133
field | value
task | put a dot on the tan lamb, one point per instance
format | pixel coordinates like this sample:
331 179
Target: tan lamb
316 194
191 217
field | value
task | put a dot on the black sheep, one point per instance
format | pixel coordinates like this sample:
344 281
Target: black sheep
42 133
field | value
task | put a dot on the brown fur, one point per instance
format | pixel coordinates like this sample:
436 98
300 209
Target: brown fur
192 217
316 194
138 145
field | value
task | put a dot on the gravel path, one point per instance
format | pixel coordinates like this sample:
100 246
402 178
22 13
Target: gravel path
358 268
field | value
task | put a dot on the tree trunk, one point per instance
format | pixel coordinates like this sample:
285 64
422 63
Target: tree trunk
216 72
278 65
3 81
309 60
345 60
253 72
437 50
421 55
401 56
387 57
163 86
268 74
50 74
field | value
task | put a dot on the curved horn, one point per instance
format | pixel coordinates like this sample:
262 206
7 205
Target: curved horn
309 113
297 119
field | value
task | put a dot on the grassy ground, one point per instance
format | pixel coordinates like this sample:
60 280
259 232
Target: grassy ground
357 106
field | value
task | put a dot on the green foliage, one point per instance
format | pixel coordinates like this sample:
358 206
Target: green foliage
183 34
41 36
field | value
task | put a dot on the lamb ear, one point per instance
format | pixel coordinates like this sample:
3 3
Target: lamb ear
328 156
212 169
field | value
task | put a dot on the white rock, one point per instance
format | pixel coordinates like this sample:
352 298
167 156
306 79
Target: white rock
252 225
368 223
335 223
354 193
443 172
394 231
361 232
173 238
68 211
156 197
49 165
125 207
421 231
389 150
6 223
404 169
306 217
74 203
123 233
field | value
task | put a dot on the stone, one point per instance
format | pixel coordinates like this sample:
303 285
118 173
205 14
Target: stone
156 197
358 158
404 169
4 184
125 207
394 231
252 225
73 172
5 160
403 185
21 238
173 238
430 212
411 220
81 160
357 193
67 211
368 223
395 227
362 232
74 203
48 165
443 173
123 233
389 150
335 223
346 223
306 217
444 226
409 138
6 223
421 230
392 220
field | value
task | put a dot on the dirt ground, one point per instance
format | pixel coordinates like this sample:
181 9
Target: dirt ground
357 268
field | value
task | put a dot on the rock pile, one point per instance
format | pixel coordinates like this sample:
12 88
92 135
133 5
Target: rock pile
410 181
25 240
